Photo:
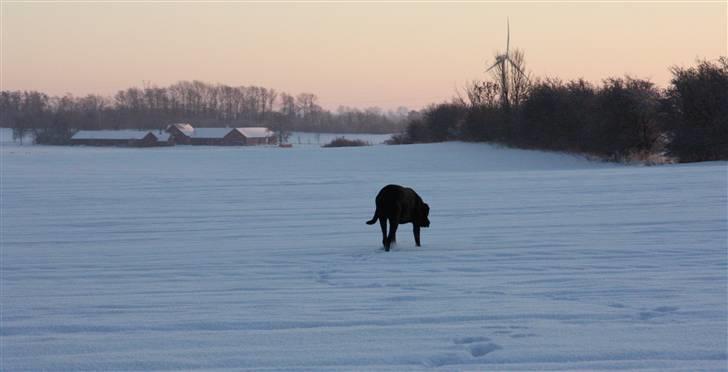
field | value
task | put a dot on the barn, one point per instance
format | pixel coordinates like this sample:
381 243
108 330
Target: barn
257 135
181 133
187 134
134 138
163 139
212 136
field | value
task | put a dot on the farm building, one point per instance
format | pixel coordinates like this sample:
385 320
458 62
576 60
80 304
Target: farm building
163 138
186 134
257 135
135 138
211 136
181 132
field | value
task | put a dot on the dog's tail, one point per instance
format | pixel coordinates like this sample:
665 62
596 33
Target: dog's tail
374 219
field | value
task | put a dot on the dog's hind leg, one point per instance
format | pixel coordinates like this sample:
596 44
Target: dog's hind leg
383 224
392 233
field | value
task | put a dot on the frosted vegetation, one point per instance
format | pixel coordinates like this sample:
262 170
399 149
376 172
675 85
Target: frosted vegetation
259 258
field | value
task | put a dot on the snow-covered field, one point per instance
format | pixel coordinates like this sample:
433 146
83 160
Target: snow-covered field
259 258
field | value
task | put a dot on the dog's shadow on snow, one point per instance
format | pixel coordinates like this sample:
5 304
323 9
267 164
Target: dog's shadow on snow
367 252
400 248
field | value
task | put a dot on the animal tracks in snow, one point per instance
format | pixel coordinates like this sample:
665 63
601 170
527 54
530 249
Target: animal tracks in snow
324 276
648 314
469 350
477 346
657 312
479 350
469 340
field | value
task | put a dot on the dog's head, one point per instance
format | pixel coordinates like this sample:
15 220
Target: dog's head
424 213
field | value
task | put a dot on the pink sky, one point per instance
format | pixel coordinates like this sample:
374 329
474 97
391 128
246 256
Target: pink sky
356 54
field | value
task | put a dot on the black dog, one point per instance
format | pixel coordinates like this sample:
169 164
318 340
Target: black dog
399 205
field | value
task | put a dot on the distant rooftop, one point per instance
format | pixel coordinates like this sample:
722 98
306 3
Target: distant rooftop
185 128
119 135
210 132
249 132
112 134
255 132
162 137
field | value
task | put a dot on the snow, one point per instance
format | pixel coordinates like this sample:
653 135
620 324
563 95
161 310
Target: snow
196 257
210 132
250 132
111 134
117 134
255 132
185 128
161 136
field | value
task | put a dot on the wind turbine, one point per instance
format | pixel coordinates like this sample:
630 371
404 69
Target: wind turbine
503 60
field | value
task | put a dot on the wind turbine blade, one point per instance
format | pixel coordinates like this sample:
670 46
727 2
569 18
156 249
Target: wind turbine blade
508 35
517 68
491 67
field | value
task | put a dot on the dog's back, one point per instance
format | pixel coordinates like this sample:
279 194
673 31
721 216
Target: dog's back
388 199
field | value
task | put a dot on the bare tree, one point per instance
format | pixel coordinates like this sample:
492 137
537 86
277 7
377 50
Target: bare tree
520 80
288 106
478 93
512 79
307 106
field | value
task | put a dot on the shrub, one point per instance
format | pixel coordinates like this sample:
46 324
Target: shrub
627 123
443 121
557 116
624 119
485 123
697 112
398 139
343 142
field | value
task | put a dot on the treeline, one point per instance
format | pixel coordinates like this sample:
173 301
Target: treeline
623 119
54 119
